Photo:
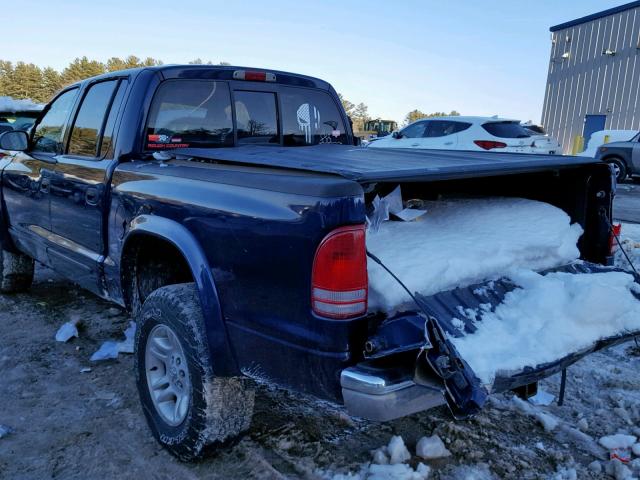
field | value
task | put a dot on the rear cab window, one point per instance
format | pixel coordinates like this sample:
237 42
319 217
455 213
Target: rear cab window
207 114
190 113
507 130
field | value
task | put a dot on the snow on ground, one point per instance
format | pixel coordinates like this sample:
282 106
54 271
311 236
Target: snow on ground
57 422
463 241
8 104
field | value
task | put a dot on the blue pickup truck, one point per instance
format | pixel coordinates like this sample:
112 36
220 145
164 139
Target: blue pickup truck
225 208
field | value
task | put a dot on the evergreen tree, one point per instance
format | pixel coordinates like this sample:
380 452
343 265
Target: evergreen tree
80 69
26 81
51 83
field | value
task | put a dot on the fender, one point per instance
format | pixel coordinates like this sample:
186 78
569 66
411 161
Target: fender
223 360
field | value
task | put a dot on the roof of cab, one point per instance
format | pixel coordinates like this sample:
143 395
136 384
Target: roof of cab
221 72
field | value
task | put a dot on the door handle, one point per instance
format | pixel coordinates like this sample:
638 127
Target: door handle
415 144
44 185
448 143
91 196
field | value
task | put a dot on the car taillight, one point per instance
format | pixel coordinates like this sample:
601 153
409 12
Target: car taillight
254 76
339 283
489 144
616 230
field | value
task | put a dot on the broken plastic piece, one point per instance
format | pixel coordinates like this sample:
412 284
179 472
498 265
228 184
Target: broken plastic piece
542 398
110 349
409 214
68 330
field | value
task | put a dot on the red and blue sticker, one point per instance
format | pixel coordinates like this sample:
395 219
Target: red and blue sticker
165 141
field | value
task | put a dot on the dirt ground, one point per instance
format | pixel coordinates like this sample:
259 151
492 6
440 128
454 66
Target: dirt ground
72 425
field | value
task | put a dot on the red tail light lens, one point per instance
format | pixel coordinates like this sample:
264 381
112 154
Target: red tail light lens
339 283
615 232
489 144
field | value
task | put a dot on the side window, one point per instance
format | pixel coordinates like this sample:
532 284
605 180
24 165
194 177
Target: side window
190 113
459 126
105 145
48 134
256 117
87 128
414 131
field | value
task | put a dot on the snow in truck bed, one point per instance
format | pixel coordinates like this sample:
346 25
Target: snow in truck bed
464 241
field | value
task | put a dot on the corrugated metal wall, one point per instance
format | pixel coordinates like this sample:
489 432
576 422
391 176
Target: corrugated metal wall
583 80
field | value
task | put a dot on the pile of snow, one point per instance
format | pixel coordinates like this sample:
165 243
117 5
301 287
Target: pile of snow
388 464
549 317
463 241
597 139
8 104
431 448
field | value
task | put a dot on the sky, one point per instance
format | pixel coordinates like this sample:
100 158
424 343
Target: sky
485 57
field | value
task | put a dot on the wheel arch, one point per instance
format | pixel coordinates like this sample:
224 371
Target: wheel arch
148 230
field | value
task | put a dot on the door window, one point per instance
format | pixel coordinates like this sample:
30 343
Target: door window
87 128
105 145
49 132
256 117
414 131
442 128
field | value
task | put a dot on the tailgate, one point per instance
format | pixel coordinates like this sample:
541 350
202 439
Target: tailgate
452 315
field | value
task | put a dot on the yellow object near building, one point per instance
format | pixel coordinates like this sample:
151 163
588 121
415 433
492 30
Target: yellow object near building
578 145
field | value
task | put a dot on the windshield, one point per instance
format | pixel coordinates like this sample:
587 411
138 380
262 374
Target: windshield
17 121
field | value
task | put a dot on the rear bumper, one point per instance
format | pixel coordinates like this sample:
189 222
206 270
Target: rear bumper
382 395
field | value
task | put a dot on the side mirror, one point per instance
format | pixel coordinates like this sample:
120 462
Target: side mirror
396 135
16 140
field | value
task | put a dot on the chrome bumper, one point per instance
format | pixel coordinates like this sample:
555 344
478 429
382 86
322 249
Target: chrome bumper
381 395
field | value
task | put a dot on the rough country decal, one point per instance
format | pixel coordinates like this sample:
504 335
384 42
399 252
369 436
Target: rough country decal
165 141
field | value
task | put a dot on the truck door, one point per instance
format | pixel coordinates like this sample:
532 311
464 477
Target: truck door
79 185
26 180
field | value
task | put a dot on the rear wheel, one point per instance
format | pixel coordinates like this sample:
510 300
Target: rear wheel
186 406
16 272
619 168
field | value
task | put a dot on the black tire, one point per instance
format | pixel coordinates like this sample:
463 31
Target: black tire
619 166
219 409
16 272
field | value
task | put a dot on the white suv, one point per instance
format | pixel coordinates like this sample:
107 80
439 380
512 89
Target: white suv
469 133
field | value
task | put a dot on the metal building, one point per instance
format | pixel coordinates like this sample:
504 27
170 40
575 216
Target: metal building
594 76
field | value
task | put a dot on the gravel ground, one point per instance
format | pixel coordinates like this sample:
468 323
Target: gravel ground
68 424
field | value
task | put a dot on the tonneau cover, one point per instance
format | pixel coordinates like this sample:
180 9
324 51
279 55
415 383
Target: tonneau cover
393 165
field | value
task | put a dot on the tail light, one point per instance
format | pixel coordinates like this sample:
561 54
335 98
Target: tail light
616 230
339 283
489 144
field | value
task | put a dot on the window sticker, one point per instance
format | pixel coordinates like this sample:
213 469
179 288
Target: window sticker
165 141
308 120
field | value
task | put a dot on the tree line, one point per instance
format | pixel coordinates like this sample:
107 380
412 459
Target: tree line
27 80
360 114
22 80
